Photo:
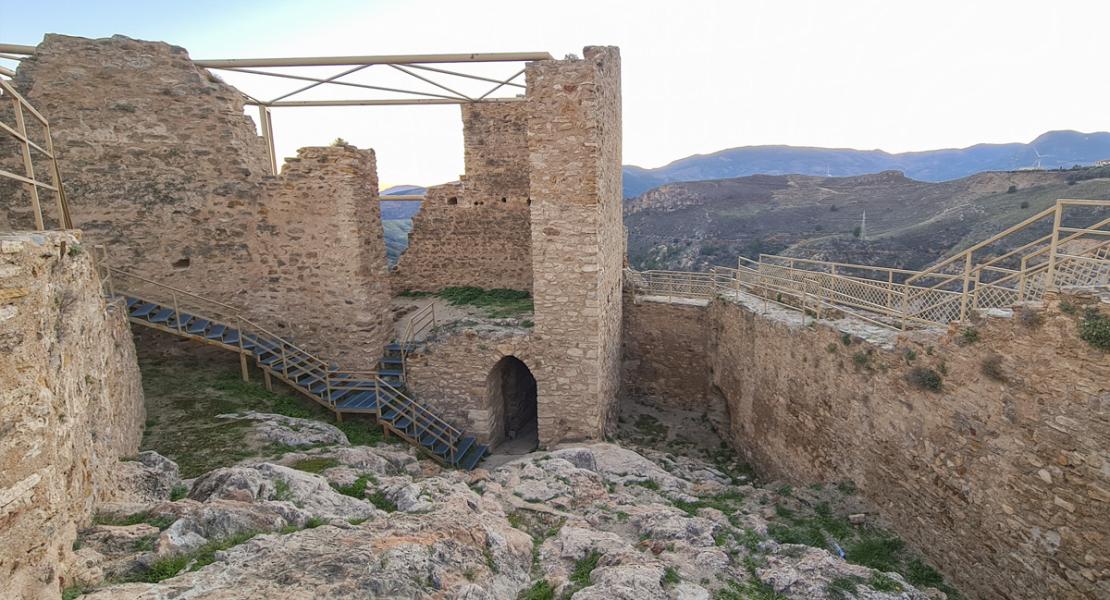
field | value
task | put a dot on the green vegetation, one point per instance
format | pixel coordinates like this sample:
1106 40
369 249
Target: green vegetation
281 490
925 379
846 339
379 500
727 502
880 582
749 590
671 576
647 484
72 592
178 492
169 566
541 590
315 465
358 488
1095 330
75 250
580 576
161 521
844 587
968 336
498 303
649 430
314 522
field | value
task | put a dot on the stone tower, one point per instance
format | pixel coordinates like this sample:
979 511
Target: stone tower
574 146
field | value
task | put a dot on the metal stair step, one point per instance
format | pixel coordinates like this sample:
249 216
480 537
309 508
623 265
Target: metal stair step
163 316
462 446
471 460
216 332
199 325
143 310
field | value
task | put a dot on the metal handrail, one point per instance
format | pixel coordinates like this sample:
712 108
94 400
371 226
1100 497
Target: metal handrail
19 132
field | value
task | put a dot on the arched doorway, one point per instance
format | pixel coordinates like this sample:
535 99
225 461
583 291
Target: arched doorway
512 394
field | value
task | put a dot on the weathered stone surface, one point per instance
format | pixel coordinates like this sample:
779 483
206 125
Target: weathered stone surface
150 478
162 166
996 481
289 431
476 232
265 481
71 404
574 145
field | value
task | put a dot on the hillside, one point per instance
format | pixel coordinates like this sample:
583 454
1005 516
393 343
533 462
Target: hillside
910 223
1055 149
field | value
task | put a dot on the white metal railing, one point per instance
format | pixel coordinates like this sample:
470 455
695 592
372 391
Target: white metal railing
903 298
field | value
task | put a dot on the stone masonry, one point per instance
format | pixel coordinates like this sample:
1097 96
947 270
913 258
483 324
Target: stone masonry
574 144
71 405
476 232
1002 478
164 169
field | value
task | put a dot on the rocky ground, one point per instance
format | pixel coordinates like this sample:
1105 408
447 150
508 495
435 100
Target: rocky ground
663 515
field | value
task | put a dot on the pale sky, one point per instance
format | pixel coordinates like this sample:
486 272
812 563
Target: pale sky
698 76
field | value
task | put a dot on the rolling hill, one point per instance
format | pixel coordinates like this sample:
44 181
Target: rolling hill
1054 149
910 223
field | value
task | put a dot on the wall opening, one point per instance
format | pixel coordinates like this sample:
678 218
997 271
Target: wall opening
512 393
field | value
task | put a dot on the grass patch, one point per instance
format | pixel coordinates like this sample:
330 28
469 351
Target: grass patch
498 303
178 492
72 592
880 582
170 566
358 488
647 484
315 465
161 522
671 576
379 500
541 590
1095 330
968 336
580 576
749 590
726 502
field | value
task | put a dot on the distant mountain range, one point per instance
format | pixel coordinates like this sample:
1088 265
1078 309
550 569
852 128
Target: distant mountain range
1051 150
400 210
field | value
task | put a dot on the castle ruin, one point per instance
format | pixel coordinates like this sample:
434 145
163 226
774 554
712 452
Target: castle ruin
1001 482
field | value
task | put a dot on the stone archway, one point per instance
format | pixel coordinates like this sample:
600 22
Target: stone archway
512 394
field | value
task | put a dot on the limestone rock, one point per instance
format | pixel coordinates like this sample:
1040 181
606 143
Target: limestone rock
289 431
265 481
149 479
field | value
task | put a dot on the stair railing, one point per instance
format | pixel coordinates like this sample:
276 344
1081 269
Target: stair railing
423 420
293 358
419 322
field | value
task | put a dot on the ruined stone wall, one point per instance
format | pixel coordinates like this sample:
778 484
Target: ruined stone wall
574 138
162 166
324 278
71 404
476 232
1002 478
450 375
665 359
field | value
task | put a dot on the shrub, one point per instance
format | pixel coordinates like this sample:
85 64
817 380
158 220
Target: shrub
925 379
671 576
991 366
541 590
861 358
1025 205
846 339
909 355
968 336
1013 190
1067 308
1095 330
379 500
356 489
583 568
178 492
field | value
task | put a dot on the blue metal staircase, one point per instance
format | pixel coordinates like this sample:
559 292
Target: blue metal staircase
380 393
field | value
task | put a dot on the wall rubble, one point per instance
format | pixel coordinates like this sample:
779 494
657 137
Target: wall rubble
71 405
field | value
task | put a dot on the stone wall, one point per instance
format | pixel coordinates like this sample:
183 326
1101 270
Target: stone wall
1002 478
71 404
476 232
162 167
574 144
450 375
665 358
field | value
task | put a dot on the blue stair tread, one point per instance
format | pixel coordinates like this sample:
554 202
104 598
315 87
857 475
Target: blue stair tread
198 325
388 360
389 373
182 320
131 301
402 423
231 336
471 460
363 400
144 310
462 446
162 316
216 332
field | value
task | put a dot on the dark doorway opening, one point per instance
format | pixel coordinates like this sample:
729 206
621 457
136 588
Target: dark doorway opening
512 391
